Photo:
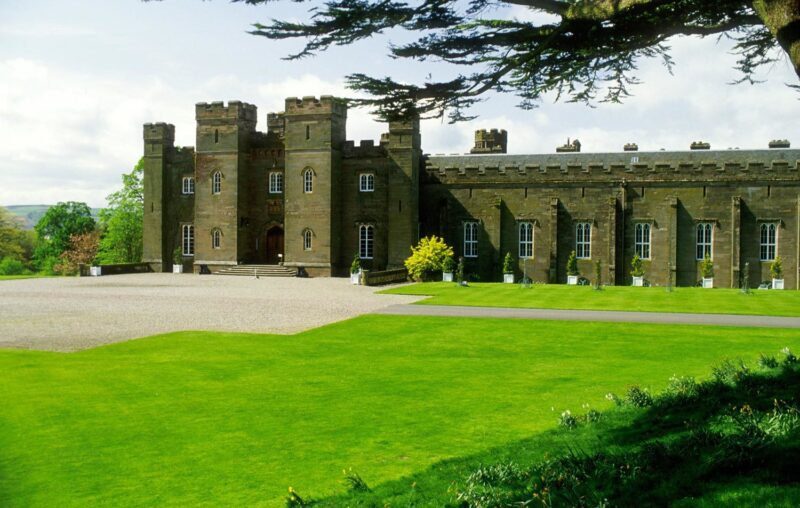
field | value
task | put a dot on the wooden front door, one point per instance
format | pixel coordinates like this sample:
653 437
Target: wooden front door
274 245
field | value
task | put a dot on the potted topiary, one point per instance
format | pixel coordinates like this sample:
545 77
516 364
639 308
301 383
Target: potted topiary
707 271
776 270
572 269
508 269
447 269
637 271
460 271
355 270
177 260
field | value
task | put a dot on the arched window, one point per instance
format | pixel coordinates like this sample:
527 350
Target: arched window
769 241
705 234
188 240
366 182
308 181
641 241
307 234
366 237
216 183
216 239
525 240
470 239
583 240
275 182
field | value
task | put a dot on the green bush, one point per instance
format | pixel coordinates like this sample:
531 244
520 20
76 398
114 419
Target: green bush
707 267
449 265
508 263
355 266
428 258
776 268
572 264
11 266
637 270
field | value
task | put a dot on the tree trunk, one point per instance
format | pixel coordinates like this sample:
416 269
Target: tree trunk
782 18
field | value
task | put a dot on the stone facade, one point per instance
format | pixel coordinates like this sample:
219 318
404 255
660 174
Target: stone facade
337 199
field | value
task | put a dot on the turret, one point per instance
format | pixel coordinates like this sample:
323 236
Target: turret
490 141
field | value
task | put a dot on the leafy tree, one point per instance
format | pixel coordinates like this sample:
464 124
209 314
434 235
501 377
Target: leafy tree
82 250
583 50
58 225
122 221
10 236
428 257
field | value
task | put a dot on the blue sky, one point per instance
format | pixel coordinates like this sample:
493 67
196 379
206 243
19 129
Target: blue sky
79 78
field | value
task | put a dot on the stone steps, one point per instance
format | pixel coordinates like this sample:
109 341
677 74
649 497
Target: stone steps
259 271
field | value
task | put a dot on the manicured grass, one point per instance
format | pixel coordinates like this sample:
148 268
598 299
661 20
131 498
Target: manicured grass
29 276
234 419
650 299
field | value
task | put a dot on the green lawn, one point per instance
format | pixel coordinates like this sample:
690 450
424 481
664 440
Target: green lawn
29 276
650 299
234 419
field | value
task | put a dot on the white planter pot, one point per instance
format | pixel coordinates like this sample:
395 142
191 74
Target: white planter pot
638 281
447 276
355 278
572 280
508 278
177 268
708 282
95 271
777 283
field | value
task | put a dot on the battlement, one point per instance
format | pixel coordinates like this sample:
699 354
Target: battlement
490 141
779 143
700 145
326 104
365 148
159 132
235 110
706 166
276 123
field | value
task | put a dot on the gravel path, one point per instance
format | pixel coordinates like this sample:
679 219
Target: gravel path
69 314
593 315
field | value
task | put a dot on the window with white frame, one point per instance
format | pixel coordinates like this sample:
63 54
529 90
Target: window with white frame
470 239
366 182
188 185
641 240
525 240
366 239
216 183
188 240
307 239
308 181
275 182
583 240
705 236
216 239
769 241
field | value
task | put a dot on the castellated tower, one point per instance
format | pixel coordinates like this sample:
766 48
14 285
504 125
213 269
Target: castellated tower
490 141
159 139
314 135
221 180
405 153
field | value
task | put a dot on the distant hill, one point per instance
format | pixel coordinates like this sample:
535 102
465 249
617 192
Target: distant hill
29 215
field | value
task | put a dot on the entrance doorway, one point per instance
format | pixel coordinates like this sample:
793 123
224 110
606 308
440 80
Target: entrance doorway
274 245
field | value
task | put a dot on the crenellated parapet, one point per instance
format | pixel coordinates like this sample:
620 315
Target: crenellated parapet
159 132
490 141
709 166
325 105
233 112
366 148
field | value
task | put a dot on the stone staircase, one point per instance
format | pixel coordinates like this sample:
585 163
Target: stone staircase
258 270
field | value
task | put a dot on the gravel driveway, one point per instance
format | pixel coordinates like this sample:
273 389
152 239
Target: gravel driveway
69 314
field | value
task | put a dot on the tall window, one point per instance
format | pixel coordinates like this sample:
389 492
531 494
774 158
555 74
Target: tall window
308 181
769 241
366 237
216 239
366 182
188 240
525 240
188 185
275 182
307 239
583 240
641 241
470 239
216 182
705 233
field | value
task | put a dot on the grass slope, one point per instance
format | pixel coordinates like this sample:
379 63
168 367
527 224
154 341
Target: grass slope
233 419
651 299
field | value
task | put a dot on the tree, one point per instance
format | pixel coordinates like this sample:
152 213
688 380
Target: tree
81 251
428 257
583 50
58 225
123 220
10 236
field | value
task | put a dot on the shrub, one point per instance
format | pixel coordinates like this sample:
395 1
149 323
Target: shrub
729 372
11 266
568 420
508 263
449 265
776 268
572 264
354 481
638 397
789 358
682 387
355 266
293 500
428 257
593 416
637 269
767 362
707 267
613 397
177 256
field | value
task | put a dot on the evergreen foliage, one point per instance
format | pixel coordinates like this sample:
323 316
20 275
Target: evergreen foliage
776 268
637 268
428 257
355 266
572 264
508 263
707 267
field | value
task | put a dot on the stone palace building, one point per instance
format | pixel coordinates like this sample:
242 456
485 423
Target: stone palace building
302 195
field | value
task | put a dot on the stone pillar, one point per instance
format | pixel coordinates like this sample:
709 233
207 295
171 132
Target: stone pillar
736 240
553 240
